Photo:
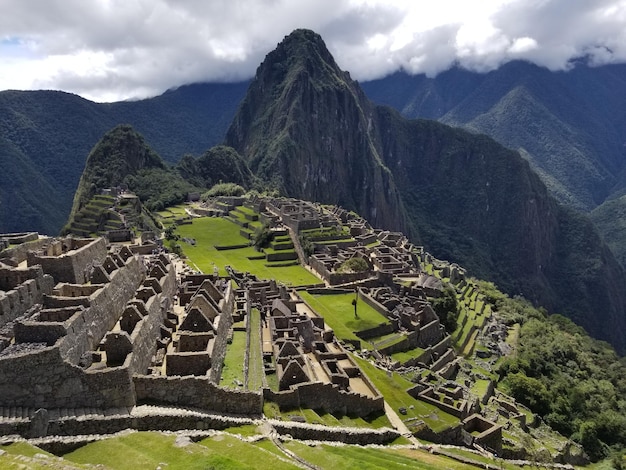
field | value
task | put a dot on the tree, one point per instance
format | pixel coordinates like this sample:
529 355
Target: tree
446 307
353 265
263 238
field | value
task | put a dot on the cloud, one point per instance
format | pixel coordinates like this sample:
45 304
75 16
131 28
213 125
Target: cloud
113 49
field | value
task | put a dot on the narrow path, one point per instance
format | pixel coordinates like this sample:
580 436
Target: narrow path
273 436
397 423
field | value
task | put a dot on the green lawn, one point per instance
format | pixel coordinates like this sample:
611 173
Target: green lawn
211 231
393 387
232 371
326 456
338 313
404 356
151 450
255 357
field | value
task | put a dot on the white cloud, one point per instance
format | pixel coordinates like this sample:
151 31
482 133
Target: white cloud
116 49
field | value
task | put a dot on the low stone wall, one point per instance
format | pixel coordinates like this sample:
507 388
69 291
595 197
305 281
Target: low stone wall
380 330
311 432
335 279
328 397
17 238
282 256
103 425
380 308
196 392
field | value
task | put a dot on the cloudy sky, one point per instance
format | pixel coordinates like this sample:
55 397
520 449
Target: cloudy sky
108 50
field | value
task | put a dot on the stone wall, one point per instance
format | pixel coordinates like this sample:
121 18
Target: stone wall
377 331
41 379
23 289
196 392
329 397
74 265
105 308
429 334
326 433
18 238
173 420
221 338
19 253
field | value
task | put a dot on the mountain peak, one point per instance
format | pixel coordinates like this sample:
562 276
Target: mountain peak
300 55
306 127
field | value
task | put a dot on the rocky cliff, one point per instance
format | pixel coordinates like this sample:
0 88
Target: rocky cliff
306 128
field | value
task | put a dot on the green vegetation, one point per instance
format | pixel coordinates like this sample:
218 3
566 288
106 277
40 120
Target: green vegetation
338 313
255 356
210 232
393 387
232 370
576 383
326 456
149 450
224 189
353 265
610 220
447 308
220 168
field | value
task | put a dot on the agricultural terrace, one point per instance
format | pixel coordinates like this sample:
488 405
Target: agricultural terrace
169 215
393 387
209 232
338 313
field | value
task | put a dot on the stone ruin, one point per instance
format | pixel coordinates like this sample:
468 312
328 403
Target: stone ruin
312 369
101 335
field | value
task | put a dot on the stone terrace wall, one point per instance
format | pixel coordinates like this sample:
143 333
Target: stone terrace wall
174 420
329 397
345 435
41 379
196 392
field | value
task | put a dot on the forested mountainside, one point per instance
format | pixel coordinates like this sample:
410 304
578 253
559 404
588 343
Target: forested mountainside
571 126
46 135
308 129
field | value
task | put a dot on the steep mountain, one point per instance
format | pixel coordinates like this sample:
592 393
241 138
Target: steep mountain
306 127
569 125
122 157
610 220
45 136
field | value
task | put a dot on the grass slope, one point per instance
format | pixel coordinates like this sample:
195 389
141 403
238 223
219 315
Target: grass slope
211 232
338 313
151 450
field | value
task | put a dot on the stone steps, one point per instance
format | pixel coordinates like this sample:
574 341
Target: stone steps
17 412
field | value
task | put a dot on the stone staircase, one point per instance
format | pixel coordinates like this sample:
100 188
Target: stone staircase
21 413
